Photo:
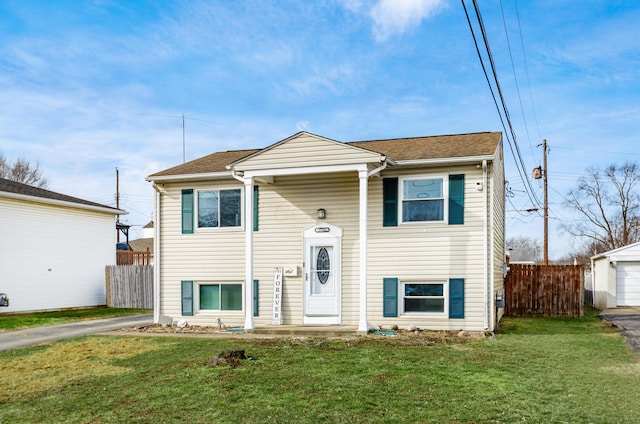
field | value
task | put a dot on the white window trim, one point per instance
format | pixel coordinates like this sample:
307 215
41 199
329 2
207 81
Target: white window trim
196 208
445 295
196 298
445 197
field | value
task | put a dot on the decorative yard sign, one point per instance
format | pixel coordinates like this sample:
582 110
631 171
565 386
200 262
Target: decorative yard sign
277 296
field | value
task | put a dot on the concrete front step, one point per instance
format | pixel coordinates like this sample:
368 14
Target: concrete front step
306 330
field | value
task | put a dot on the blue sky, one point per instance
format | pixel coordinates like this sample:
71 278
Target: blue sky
86 87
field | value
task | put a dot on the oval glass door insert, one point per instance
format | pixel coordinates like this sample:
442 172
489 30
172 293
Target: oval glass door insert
323 266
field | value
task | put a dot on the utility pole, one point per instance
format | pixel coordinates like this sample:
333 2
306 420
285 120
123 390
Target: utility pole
545 260
117 202
537 174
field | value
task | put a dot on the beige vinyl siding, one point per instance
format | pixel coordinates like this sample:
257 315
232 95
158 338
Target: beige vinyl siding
498 226
307 150
429 252
207 255
411 252
287 208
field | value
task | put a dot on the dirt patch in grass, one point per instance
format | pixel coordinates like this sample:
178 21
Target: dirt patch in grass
64 363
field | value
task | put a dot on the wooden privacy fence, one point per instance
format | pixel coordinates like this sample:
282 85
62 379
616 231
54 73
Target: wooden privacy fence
129 286
544 290
129 257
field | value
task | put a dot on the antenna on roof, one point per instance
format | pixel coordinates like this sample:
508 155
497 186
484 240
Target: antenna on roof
183 143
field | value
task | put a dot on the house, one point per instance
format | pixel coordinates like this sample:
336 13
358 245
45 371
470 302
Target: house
616 277
145 243
54 248
311 231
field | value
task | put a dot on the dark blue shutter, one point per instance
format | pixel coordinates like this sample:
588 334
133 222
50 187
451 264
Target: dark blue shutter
390 202
186 293
456 199
390 297
456 298
255 207
187 211
255 298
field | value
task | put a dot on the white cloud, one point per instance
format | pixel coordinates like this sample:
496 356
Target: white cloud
335 80
396 16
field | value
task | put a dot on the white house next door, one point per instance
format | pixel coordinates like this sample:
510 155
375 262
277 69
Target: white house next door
322 272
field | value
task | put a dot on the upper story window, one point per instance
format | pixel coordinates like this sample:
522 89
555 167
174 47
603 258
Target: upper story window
219 208
423 199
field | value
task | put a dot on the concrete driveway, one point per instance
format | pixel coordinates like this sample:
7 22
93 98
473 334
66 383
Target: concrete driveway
627 321
38 335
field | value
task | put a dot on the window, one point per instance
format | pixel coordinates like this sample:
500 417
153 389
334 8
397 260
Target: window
424 297
423 199
221 297
219 208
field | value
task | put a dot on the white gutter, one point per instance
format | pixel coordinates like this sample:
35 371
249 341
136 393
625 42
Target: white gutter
445 161
305 170
485 232
189 177
156 255
55 202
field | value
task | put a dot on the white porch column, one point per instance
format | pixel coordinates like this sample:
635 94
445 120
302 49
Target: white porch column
248 253
363 327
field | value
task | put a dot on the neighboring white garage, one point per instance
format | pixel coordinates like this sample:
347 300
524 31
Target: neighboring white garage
616 277
54 248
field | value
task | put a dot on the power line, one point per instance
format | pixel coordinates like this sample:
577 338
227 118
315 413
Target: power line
515 79
526 69
515 149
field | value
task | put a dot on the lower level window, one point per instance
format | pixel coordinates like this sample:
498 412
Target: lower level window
424 297
221 297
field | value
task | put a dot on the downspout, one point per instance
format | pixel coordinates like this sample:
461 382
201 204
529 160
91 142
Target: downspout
378 169
237 177
485 234
156 255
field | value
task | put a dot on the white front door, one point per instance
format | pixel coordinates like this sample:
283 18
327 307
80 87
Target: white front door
322 271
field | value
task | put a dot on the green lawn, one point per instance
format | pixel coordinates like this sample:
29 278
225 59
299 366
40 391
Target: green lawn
535 371
16 321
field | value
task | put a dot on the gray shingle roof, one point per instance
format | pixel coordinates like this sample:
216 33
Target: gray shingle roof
396 149
9 186
434 147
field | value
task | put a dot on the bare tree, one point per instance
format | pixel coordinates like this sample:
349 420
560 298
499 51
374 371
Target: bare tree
609 202
582 255
23 171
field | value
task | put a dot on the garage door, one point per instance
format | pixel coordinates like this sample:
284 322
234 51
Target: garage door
628 284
